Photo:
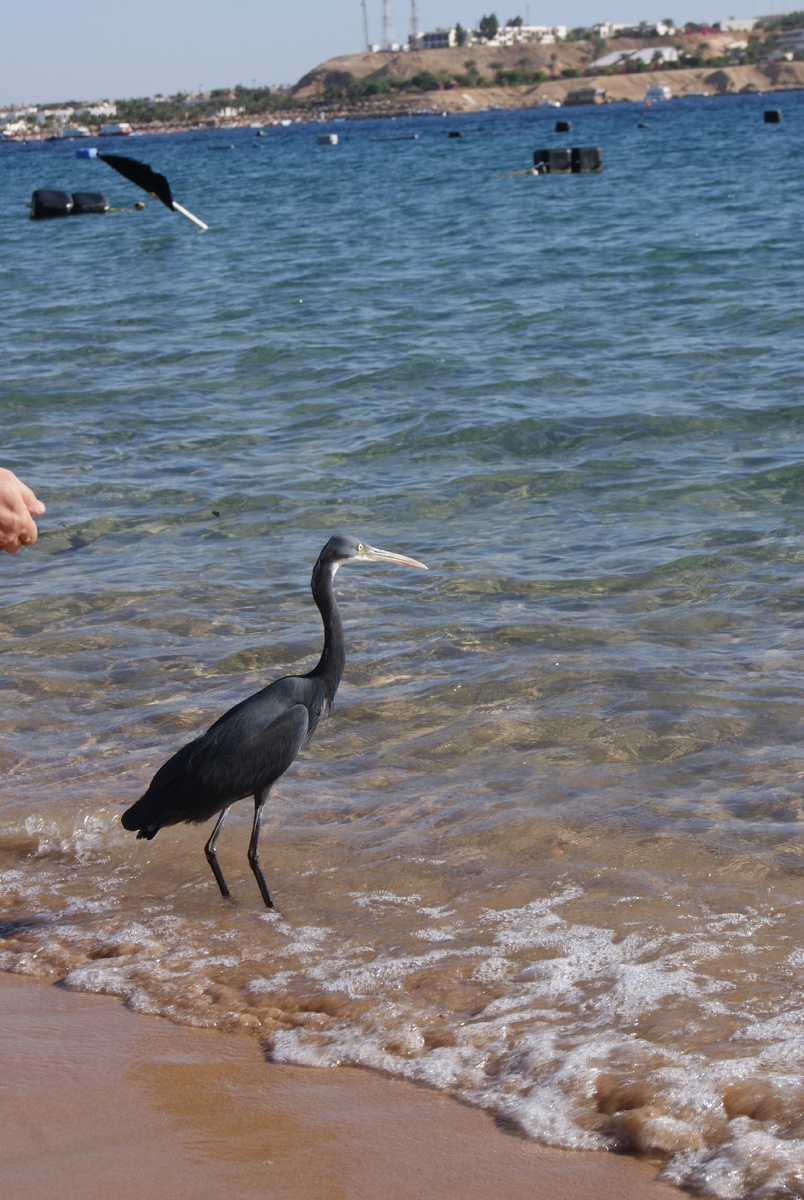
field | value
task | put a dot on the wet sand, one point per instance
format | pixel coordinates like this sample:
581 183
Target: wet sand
98 1102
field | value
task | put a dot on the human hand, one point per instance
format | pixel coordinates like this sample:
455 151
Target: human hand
18 507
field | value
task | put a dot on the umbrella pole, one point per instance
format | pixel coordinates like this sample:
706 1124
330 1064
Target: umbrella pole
189 215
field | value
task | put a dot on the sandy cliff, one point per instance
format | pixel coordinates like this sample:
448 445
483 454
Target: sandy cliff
552 60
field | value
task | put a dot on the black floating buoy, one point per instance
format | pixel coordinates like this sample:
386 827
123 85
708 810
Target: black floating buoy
773 116
563 126
585 159
578 160
455 133
46 203
89 202
555 161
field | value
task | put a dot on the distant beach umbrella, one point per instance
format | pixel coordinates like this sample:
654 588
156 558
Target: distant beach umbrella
151 181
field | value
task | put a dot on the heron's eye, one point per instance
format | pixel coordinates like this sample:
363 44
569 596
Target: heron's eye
361 548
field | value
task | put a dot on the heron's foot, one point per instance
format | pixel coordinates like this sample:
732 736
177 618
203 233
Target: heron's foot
212 859
254 863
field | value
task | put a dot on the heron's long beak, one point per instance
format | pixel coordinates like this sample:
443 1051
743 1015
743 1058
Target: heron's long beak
372 554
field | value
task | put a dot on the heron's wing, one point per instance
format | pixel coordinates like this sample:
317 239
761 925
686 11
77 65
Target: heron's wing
256 713
244 752
240 758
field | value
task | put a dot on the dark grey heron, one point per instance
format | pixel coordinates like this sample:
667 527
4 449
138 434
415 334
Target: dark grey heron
251 745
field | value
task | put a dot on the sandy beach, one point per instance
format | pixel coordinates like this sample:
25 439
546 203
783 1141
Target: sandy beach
97 1101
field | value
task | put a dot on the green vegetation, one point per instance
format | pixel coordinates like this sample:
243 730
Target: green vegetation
343 87
518 77
248 101
782 23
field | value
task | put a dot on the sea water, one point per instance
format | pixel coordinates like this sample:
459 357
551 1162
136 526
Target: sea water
547 852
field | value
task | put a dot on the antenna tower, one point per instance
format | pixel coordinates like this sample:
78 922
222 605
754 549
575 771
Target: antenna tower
414 26
366 41
387 25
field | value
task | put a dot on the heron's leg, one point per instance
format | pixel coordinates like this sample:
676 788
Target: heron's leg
253 850
212 857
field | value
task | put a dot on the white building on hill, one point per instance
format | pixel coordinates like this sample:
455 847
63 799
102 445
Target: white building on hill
515 35
739 24
651 56
608 29
507 35
439 39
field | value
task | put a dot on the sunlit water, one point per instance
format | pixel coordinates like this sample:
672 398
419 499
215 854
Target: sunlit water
547 852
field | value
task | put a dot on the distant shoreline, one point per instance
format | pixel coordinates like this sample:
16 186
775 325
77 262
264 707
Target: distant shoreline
767 79
373 84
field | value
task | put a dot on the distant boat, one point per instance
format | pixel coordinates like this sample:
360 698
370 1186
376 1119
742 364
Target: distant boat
69 131
657 91
587 94
115 129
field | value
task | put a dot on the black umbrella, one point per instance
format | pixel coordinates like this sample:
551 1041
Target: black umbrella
150 181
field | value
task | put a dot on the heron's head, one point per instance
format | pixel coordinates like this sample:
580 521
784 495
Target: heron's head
341 548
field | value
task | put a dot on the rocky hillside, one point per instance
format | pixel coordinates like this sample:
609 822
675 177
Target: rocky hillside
563 67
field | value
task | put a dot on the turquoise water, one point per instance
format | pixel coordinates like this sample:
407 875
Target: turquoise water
547 852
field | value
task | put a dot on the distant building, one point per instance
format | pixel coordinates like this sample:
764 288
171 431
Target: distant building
439 39
106 108
58 116
608 29
739 25
516 35
792 40
650 56
507 35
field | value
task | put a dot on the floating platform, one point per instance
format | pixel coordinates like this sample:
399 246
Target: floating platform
565 160
47 203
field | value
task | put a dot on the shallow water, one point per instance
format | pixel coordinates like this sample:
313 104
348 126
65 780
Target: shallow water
547 852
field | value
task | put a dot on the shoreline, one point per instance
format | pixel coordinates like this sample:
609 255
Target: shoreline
699 81
98 1100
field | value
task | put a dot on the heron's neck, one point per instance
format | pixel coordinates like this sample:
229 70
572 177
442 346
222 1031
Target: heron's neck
333 657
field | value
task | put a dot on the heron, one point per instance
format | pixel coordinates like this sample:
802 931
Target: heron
247 749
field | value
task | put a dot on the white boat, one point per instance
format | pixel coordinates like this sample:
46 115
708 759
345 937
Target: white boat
115 128
15 132
657 91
